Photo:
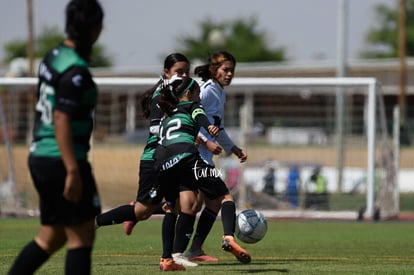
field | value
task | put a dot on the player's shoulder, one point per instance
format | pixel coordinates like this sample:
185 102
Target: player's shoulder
63 58
207 85
209 88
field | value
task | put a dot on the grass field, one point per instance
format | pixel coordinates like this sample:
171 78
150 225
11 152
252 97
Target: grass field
293 247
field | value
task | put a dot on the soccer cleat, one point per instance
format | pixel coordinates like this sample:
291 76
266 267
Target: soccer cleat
168 264
203 258
199 255
129 225
228 244
179 258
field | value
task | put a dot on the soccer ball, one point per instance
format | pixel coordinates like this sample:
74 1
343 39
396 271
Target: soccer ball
251 226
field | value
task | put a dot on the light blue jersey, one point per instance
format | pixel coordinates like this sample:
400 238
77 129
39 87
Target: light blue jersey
213 99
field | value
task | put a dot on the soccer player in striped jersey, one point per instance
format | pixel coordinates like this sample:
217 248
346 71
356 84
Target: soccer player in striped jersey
149 198
58 161
180 163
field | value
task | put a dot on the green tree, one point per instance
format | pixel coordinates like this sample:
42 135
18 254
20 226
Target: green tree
382 40
240 37
47 39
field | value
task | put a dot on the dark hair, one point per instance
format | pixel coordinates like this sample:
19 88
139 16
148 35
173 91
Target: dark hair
146 97
214 62
173 58
170 94
82 18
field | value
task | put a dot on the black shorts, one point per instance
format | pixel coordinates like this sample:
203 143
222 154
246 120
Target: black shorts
149 189
193 173
49 176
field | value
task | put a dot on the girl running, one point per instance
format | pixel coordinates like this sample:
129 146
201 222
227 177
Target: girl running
149 197
179 161
216 74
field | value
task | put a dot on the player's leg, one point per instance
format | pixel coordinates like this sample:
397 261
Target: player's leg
168 233
228 216
51 236
116 216
79 249
147 182
148 199
35 253
205 223
215 188
137 212
171 208
80 224
185 226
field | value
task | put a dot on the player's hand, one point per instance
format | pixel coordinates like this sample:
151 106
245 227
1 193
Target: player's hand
73 187
239 153
165 207
213 130
213 147
198 140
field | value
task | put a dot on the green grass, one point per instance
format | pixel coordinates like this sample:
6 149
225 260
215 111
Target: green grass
293 247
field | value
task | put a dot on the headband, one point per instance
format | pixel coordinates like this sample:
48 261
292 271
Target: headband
186 88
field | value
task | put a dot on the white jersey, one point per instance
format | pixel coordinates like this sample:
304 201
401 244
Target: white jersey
213 99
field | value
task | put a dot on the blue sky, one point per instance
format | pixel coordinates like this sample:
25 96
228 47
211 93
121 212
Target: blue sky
140 33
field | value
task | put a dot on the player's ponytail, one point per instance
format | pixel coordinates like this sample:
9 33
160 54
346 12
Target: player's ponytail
203 71
168 101
147 97
173 90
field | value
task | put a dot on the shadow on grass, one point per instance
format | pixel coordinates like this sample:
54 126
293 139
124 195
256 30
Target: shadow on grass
253 267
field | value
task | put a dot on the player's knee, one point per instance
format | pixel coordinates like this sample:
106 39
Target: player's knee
51 237
225 198
190 209
143 213
51 245
144 217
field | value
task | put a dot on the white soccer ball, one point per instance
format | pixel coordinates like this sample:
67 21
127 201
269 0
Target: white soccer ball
251 226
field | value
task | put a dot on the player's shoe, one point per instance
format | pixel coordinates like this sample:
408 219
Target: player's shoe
179 258
199 255
228 244
168 264
129 225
